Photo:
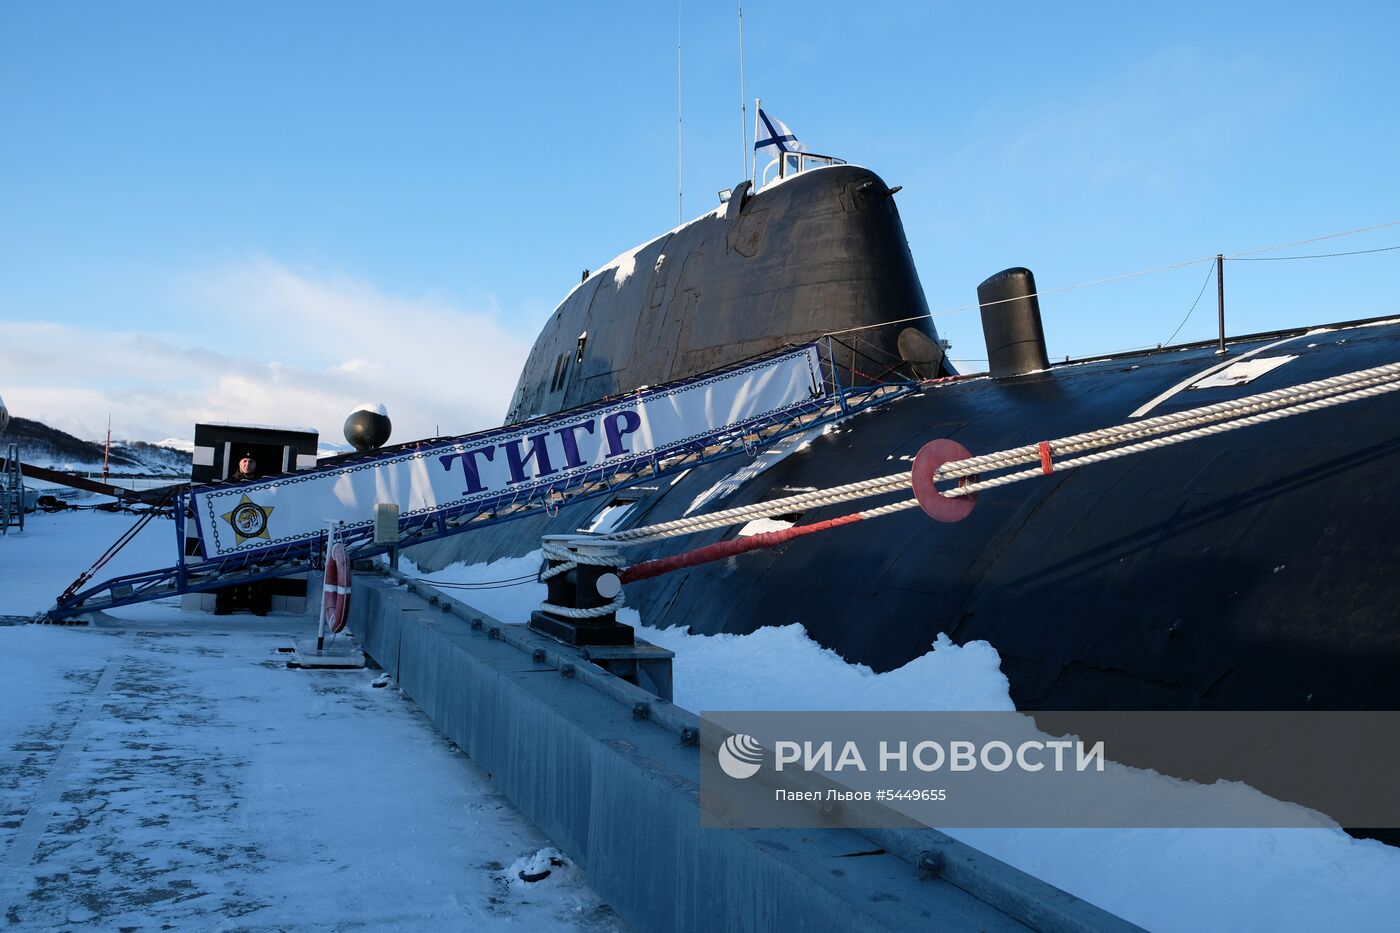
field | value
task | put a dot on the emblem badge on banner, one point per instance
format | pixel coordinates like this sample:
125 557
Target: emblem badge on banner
248 520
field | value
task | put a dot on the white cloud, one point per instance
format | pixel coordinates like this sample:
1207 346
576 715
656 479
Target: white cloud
293 349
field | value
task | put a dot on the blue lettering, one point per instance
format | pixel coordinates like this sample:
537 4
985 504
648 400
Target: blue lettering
566 434
613 426
469 467
517 461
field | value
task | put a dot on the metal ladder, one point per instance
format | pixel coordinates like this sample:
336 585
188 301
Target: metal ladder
11 492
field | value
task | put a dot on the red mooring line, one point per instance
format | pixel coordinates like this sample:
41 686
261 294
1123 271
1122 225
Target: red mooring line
722 549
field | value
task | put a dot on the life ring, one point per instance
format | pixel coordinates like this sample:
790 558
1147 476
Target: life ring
335 593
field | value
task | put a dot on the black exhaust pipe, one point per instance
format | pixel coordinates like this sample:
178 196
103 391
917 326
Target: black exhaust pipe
1011 323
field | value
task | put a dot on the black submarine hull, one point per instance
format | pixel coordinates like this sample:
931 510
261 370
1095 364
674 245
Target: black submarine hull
1255 569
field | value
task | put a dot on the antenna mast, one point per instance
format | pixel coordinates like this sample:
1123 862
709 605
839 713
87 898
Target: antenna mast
680 196
743 100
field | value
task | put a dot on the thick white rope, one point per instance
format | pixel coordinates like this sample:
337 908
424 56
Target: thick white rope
573 558
596 612
1132 430
570 559
1159 442
1256 409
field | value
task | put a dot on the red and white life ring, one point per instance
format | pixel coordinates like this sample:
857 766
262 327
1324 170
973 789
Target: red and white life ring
335 594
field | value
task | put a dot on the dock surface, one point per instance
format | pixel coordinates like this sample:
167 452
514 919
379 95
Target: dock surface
176 774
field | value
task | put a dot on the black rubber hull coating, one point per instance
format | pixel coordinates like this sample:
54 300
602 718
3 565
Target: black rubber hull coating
1011 324
1251 570
823 251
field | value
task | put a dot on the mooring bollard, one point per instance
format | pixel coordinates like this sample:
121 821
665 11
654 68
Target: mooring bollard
585 592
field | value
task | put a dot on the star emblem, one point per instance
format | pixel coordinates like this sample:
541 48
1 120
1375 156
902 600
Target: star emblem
249 520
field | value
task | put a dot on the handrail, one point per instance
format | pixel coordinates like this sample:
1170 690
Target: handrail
302 555
799 162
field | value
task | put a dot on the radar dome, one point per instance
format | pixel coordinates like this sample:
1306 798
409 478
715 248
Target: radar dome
368 427
4 415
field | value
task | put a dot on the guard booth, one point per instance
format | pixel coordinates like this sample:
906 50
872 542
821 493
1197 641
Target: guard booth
218 447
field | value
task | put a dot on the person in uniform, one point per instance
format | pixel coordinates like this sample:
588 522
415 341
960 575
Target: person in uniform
247 469
255 597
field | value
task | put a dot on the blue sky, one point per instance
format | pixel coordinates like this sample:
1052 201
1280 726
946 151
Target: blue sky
272 212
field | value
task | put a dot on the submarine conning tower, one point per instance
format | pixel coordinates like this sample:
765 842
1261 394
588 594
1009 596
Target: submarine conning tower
819 252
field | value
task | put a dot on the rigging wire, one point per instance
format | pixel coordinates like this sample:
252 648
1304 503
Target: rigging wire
1355 252
1315 239
1209 271
481 584
1131 275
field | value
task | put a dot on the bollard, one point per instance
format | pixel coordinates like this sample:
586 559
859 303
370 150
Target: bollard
583 592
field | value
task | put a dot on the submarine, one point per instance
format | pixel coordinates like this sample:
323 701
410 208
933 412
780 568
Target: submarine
1254 569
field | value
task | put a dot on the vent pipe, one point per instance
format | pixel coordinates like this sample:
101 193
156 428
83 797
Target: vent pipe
1011 323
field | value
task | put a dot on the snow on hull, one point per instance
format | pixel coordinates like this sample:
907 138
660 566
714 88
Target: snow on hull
1162 879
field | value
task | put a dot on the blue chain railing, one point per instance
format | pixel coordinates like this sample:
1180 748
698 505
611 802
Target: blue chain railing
305 554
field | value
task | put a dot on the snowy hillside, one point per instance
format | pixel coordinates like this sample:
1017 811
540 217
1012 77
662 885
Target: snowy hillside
43 446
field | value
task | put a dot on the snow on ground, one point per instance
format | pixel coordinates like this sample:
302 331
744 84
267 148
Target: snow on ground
167 770
510 603
36 566
1162 879
180 788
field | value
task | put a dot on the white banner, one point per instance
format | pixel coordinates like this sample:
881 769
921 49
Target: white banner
498 466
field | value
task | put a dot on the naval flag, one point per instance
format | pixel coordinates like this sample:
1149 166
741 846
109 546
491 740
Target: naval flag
774 138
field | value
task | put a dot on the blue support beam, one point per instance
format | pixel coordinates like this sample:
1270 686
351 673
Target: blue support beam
305 555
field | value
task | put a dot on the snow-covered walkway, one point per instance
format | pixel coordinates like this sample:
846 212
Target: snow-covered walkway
165 770
168 772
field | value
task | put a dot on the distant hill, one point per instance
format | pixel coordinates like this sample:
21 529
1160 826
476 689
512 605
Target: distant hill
44 446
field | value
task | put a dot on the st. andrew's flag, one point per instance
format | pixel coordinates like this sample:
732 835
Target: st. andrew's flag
774 138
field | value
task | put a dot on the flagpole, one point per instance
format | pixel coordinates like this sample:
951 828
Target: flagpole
753 176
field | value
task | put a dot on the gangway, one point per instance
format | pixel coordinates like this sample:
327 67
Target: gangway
664 429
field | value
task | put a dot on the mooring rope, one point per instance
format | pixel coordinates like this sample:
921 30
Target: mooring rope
570 558
1097 446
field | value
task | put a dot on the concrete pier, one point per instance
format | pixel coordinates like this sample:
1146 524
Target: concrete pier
610 772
